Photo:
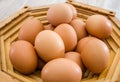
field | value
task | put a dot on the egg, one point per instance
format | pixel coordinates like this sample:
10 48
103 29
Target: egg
30 29
76 57
74 11
49 45
59 13
81 43
99 26
95 55
79 27
23 57
61 70
68 35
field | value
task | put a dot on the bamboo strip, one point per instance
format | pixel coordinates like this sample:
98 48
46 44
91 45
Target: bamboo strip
113 66
7 48
115 21
19 77
13 23
116 74
116 29
6 78
38 79
42 18
82 16
45 22
14 37
116 38
93 8
92 80
38 13
3 62
118 78
11 32
83 11
15 29
82 19
41 8
25 76
113 45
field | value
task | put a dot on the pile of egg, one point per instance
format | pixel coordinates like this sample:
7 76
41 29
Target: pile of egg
65 48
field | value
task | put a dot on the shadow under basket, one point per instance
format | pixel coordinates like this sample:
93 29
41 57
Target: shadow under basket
9 33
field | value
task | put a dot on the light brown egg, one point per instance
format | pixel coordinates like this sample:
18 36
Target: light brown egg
30 29
49 45
73 10
61 70
68 35
59 13
95 55
82 43
79 27
76 57
23 57
99 26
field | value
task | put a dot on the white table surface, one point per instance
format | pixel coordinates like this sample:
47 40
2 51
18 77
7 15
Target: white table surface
9 7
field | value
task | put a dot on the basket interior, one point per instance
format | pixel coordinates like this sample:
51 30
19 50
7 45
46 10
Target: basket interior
9 32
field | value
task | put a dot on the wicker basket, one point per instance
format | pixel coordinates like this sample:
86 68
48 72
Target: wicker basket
9 32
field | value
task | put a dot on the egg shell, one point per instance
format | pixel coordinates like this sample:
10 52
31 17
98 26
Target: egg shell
81 43
59 13
95 55
76 57
68 35
79 27
61 70
99 26
30 29
74 11
49 45
23 57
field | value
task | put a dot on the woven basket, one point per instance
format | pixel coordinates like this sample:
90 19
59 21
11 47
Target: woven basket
9 32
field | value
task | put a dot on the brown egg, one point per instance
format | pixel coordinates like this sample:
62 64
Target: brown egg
73 10
75 56
98 26
49 45
95 55
49 27
68 35
30 29
79 27
59 13
23 57
82 43
61 70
